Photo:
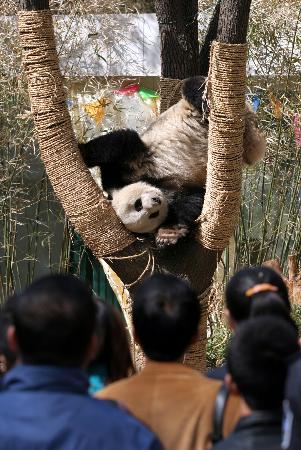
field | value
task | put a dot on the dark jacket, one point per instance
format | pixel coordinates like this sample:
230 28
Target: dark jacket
260 431
46 407
292 405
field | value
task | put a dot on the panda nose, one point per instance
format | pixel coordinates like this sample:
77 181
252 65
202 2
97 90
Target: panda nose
156 200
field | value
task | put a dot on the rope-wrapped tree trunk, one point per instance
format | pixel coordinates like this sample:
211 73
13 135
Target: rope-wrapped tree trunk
85 206
226 96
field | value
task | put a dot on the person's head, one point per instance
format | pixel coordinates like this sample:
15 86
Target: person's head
256 291
7 357
114 351
53 322
257 361
166 315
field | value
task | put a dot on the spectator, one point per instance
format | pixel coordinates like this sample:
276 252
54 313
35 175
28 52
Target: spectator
257 371
292 406
113 361
256 291
45 404
7 357
251 292
175 401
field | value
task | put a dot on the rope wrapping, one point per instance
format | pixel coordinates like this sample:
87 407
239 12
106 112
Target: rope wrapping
170 92
226 96
84 204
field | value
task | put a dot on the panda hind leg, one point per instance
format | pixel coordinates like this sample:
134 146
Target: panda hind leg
192 91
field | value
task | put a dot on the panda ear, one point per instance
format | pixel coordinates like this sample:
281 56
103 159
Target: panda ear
192 91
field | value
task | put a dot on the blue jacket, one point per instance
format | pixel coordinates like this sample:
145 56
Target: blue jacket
46 407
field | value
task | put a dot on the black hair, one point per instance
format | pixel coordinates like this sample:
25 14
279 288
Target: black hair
114 352
242 306
54 320
166 315
257 360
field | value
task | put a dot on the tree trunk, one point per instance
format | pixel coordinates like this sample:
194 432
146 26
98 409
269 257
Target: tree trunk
34 5
210 36
233 21
178 25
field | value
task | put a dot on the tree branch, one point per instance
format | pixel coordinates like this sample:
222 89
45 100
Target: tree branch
210 36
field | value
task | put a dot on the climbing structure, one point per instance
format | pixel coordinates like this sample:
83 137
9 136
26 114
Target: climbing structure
85 206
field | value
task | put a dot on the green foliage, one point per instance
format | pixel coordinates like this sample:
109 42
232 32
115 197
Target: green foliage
217 345
296 315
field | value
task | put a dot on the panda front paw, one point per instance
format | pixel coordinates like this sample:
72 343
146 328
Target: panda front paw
170 235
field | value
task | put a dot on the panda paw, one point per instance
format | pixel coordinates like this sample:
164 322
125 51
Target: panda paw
171 235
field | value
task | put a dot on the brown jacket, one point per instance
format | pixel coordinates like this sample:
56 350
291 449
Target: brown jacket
175 402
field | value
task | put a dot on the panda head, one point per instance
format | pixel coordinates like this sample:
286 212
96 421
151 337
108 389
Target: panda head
141 207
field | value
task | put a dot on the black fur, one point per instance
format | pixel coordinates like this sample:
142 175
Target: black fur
185 206
193 90
114 153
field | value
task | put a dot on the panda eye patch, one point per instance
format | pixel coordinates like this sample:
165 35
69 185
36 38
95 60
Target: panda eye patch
138 204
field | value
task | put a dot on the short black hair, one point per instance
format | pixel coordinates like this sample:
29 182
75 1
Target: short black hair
166 315
241 306
257 360
54 319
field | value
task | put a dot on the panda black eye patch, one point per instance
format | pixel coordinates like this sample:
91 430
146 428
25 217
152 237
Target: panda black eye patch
138 204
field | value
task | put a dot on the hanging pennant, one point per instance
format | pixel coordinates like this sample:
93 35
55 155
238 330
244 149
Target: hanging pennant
150 98
96 110
255 102
296 122
69 103
147 94
276 106
128 90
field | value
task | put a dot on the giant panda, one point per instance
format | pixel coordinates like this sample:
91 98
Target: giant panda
170 156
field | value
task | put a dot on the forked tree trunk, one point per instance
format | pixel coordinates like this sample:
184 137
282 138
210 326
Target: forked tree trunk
178 25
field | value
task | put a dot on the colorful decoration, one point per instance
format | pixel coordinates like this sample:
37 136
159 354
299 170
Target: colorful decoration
276 106
96 110
296 122
147 94
128 90
70 103
255 102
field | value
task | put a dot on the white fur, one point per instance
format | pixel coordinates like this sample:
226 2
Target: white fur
178 140
123 201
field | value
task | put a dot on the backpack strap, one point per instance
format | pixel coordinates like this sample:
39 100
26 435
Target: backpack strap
218 414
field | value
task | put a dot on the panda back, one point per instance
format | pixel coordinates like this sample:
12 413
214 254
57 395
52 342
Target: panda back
178 142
